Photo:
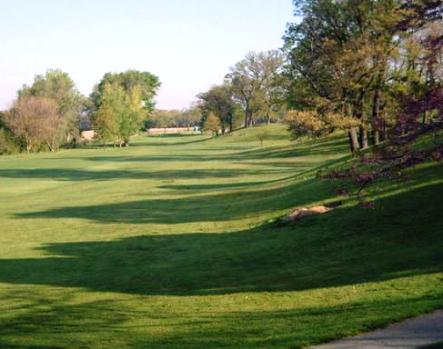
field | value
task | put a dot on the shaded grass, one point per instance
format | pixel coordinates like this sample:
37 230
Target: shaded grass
434 346
173 246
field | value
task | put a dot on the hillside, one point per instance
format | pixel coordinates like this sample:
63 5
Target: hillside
171 243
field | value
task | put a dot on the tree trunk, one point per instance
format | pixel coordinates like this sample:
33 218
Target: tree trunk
376 121
425 114
246 118
250 119
376 137
363 138
353 139
385 132
358 114
51 149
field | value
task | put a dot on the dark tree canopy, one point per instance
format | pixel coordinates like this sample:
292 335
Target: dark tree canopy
218 100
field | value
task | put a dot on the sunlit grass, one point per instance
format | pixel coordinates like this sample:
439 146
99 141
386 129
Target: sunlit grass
170 244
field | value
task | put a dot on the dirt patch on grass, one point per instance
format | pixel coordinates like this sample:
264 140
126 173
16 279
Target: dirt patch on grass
300 213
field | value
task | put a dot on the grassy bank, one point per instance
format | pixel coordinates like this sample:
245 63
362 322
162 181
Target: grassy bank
170 244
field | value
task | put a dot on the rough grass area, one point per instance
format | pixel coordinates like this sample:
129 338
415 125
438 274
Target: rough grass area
170 244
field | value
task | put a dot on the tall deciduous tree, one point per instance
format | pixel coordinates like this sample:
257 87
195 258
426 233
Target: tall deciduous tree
253 82
58 86
121 103
120 115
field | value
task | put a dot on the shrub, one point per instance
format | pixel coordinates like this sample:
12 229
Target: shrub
305 123
212 124
8 144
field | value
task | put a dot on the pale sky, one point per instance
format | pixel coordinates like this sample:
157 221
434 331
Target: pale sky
189 44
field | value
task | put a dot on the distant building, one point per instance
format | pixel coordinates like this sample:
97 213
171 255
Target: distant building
88 135
172 130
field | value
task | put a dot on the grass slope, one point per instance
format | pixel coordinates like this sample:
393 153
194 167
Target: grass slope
167 244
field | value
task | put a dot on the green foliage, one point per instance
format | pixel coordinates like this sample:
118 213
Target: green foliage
218 100
258 84
122 103
147 84
8 143
120 114
105 120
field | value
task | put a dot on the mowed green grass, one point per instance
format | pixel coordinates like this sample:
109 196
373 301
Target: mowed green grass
170 244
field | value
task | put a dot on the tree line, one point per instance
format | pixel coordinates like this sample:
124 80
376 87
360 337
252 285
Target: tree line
52 113
352 65
160 118
373 68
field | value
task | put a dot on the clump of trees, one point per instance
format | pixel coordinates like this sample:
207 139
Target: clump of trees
356 65
218 102
121 103
258 84
45 115
57 86
51 112
253 91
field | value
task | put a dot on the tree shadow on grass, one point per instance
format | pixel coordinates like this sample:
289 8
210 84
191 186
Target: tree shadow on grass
86 175
330 146
326 147
196 208
347 246
39 321
58 324
181 139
